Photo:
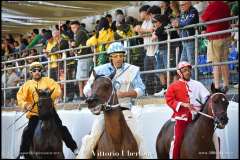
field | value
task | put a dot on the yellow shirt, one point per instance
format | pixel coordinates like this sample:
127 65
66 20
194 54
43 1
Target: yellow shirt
53 57
104 36
27 93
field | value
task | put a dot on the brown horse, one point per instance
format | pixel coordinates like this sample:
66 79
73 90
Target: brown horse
47 140
117 140
197 142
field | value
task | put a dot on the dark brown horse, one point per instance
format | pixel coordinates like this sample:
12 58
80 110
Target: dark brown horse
47 140
197 142
117 140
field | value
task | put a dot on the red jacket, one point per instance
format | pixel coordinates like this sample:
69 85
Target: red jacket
217 10
177 93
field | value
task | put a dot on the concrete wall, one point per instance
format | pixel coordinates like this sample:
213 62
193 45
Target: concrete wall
149 120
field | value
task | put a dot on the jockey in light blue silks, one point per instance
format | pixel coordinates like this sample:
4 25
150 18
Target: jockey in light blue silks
129 85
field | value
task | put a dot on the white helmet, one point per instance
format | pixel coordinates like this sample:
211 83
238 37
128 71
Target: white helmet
116 47
183 64
180 66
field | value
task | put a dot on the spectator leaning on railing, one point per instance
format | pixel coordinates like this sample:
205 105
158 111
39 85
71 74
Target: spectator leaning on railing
149 59
218 45
103 34
84 65
51 47
37 38
188 16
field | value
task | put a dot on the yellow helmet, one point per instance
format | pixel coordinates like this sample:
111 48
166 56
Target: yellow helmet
36 65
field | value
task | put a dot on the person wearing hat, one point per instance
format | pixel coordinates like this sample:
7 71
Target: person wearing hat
130 86
27 100
181 95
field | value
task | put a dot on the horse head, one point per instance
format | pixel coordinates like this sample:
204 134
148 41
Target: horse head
45 103
102 93
218 104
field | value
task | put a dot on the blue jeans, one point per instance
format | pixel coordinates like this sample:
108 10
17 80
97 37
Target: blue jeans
188 54
161 58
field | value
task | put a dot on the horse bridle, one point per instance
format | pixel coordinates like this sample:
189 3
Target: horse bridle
107 106
213 117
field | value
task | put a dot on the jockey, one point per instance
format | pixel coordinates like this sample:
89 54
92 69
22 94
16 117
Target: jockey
180 96
27 99
128 85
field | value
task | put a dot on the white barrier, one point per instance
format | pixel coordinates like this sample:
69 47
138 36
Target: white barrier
150 119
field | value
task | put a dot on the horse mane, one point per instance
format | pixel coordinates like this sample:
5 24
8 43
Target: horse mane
98 76
202 107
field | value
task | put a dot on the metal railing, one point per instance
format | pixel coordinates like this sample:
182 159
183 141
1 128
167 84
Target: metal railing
168 41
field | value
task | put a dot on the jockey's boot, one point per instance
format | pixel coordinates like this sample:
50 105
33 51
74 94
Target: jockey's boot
89 142
69 141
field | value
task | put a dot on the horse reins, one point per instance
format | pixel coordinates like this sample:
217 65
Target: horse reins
24 113
210 103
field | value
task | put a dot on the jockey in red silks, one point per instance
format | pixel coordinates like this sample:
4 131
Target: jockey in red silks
180 96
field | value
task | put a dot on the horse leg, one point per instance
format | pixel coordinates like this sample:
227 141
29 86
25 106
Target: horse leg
27 136
216 142
66 135
164 141
90 141
162 153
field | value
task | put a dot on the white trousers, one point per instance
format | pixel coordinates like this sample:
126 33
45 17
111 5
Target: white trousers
90 141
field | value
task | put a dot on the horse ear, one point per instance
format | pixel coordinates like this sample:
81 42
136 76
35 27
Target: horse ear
52 91
111 76
213 89
94 74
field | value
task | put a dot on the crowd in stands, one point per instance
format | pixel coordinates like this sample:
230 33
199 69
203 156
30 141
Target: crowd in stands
154 20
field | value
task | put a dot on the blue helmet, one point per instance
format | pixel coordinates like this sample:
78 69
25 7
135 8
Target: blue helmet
116 47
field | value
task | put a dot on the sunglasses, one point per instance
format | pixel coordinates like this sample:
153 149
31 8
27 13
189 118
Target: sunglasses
117 55
36 69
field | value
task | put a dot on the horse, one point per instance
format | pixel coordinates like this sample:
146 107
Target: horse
117 140
47 140
197 142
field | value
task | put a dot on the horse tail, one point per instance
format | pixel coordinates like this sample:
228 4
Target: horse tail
164 140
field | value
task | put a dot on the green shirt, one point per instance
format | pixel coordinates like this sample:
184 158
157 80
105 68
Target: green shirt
35 41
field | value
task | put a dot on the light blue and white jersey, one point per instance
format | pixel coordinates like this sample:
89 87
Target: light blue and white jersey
128 77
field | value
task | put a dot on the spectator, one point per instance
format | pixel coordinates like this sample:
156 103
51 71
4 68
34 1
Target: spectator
83 26
153 10
84 65
33 52
165 8
175 47
174 5
235 9
70 33
52 47
218 45
16 46
103 34
12 81
188 16
123 30
23 43
160 21
149 59
43 40
200 6
109 18
36 38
